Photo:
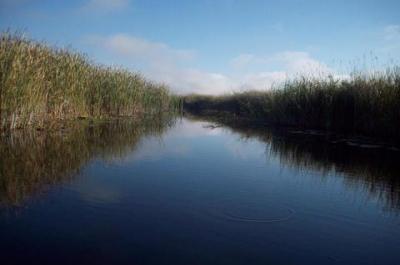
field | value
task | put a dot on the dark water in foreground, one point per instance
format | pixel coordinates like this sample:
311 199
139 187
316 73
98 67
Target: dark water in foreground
188 193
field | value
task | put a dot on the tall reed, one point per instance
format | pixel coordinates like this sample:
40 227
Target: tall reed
39 83
365 103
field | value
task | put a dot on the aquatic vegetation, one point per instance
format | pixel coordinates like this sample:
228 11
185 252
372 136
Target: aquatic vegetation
365 103
41 84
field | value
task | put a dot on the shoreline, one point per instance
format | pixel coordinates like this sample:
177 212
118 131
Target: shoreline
297 132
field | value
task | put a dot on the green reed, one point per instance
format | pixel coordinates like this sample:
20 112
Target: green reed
364 103
39 83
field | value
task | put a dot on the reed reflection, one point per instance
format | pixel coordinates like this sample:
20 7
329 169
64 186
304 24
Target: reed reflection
375 170
32 160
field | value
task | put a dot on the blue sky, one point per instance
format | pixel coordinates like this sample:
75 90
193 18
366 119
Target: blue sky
216 46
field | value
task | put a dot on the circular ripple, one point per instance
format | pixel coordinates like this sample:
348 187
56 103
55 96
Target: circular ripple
286 216
255 213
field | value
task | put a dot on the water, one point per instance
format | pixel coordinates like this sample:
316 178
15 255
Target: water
186 192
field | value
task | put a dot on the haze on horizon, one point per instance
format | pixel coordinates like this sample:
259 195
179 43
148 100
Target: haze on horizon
221 46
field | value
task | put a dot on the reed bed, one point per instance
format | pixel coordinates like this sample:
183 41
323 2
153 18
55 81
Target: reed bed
41 84
363 104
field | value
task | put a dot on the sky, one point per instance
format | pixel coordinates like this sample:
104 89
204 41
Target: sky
217 46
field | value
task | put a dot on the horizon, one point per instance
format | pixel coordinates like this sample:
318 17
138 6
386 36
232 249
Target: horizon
217 47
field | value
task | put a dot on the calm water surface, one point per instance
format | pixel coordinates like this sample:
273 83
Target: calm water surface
186 192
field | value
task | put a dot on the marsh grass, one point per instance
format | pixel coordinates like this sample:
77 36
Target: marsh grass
365 103
39 84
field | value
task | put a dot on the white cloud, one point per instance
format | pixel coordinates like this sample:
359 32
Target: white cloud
301 63
292 62
156 53
105 5
164 64
196 81
288 64
261 80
